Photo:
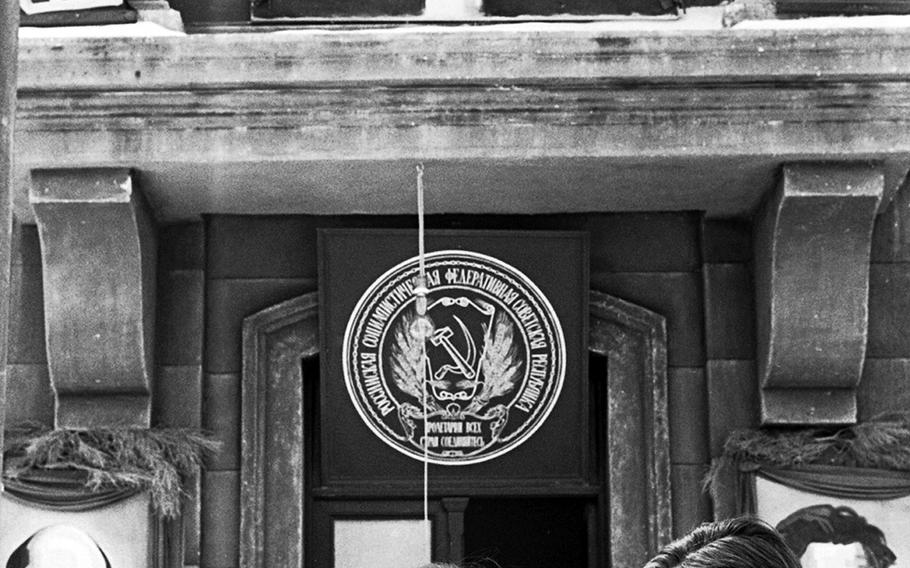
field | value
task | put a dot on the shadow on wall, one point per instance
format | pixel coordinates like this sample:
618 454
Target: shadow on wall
58 546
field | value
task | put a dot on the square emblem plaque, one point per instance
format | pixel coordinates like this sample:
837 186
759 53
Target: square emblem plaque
489 385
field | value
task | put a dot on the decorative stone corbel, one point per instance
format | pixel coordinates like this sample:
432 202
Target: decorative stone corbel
98 255
812 248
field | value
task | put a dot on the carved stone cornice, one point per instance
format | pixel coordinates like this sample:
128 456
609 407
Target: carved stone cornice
98 264
600 119
675 119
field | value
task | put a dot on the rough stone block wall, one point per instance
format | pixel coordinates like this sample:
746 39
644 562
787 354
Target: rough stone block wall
885 386
252 263
29 397
654 260
732 392
177 398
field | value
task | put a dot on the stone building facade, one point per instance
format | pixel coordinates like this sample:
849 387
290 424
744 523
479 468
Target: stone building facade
745 186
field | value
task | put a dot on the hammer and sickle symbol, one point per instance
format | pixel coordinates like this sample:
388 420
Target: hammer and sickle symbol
463 363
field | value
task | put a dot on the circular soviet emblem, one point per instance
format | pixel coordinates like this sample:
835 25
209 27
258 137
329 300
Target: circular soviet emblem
491 361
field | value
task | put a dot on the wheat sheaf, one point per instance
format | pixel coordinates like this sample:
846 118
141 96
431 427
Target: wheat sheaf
407 358
499 365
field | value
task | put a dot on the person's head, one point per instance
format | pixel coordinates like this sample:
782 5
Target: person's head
56 546
836 525
734 543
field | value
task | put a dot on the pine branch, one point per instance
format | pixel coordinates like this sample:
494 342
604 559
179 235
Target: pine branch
881 443
155 460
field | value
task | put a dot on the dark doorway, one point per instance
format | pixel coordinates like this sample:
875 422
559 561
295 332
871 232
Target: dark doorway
574 523
527 533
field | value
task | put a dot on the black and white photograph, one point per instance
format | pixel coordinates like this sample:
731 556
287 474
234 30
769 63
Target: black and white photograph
831 532
454 283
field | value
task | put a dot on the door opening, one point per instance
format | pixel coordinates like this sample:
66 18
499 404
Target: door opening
527 532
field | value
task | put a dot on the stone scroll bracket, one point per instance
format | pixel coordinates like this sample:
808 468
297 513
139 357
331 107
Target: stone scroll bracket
812 247
98 252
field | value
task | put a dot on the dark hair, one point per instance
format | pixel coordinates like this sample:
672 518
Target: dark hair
838 525
735 543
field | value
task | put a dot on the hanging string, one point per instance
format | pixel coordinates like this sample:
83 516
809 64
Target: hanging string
421 249
424 325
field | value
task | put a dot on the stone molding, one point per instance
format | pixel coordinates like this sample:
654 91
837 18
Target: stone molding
499 56
272 475
317 112
634 341
706 118
813 240
98 259
316 146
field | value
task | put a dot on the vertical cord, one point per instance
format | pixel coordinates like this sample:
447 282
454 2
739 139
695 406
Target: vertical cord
421 292
421 250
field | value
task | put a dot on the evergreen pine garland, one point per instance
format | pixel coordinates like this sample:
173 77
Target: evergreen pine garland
155 460
881 443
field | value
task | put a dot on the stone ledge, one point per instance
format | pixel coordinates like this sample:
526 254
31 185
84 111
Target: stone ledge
497 54
505 115
701 145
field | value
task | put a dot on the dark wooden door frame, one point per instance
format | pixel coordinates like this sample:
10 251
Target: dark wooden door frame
275 340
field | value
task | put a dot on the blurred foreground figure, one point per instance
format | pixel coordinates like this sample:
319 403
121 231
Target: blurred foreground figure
734 543
825 535
58 546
